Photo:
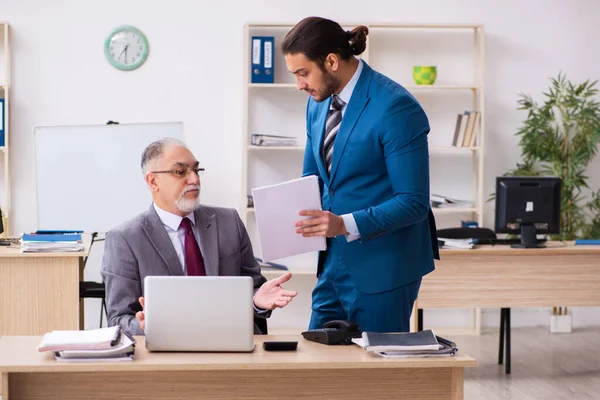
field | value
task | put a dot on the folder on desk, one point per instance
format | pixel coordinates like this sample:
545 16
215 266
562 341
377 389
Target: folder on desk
277 210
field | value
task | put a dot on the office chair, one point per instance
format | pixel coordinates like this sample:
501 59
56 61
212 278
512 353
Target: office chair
94 290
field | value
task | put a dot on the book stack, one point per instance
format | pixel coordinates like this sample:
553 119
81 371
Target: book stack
406 345
96 345
35 242
439 201
467 128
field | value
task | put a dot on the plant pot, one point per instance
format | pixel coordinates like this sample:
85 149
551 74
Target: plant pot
424 74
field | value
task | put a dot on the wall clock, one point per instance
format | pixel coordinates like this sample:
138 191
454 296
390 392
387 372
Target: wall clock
126 48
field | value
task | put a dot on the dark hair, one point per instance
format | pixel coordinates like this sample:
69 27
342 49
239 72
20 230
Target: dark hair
317 37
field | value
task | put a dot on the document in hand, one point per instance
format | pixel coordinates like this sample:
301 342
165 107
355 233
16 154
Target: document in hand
277 207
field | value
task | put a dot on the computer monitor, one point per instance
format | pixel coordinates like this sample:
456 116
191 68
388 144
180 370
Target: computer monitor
528 205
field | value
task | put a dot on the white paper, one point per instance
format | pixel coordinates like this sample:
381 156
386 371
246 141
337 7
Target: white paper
277 211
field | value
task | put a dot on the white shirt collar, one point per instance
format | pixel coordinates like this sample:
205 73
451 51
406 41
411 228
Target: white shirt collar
346 92
172 220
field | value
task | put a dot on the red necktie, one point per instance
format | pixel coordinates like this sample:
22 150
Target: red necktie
194 264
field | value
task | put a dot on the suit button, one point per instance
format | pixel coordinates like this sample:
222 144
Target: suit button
331 192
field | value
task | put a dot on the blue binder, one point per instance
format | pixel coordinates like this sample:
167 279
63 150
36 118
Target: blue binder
2 122
262 59
256 60
268 59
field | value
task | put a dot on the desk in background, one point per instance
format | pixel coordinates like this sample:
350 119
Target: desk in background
499 276
39 292
313 371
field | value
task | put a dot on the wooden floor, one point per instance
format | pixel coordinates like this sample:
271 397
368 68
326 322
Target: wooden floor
544 365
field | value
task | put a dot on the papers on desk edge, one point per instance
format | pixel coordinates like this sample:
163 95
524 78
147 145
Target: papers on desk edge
406 345
456 243
277 210
95 345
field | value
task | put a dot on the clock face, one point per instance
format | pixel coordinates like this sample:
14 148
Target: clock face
126 48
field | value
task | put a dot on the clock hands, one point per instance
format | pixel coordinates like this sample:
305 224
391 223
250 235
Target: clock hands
124 51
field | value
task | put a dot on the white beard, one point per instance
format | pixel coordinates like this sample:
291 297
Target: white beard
188 205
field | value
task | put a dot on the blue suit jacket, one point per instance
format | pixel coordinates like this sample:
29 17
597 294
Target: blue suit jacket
380 174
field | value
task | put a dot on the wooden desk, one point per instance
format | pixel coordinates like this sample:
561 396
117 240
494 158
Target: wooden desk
39 292
313 371
502 277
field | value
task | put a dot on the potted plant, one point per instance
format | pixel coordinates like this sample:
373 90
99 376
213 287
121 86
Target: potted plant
559 138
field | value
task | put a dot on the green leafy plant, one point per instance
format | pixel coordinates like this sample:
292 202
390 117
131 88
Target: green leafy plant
559 138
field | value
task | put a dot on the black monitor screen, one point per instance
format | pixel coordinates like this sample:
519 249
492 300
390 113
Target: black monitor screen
532 202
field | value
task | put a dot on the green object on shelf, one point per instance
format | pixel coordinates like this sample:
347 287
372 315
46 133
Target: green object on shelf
424 75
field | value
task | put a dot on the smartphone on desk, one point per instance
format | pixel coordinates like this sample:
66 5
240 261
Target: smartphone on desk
275 345
337 332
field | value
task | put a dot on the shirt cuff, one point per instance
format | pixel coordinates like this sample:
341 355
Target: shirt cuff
351 227
259 311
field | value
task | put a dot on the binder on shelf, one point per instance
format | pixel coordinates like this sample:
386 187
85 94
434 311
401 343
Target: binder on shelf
2 129
268 59
256 60
262 59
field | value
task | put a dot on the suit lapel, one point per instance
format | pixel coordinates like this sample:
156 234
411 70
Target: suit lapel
319 128
209 244
159 238
358 101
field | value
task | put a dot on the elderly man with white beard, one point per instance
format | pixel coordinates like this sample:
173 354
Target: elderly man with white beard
178 236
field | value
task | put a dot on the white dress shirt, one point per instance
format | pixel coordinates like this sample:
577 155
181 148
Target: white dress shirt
176 232
346 95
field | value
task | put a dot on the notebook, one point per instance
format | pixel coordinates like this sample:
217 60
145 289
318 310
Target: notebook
390 342
103 338
277 210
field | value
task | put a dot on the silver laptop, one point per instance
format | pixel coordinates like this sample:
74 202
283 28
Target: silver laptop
199 313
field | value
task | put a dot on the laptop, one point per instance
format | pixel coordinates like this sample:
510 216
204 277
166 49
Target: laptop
199 313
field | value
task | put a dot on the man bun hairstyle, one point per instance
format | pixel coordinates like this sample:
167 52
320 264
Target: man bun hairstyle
317 37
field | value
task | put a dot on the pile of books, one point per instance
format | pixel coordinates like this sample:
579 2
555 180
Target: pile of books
406 345
36 242
96 345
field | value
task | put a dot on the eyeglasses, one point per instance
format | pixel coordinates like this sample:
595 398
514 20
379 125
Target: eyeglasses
180 172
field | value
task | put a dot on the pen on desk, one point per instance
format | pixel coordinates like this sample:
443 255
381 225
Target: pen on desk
446 341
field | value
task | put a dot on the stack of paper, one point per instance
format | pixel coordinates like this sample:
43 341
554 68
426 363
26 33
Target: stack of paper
406 345
51 243
277 210
105 344
457 243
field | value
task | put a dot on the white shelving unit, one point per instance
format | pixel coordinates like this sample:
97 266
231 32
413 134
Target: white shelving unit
5 150
392 49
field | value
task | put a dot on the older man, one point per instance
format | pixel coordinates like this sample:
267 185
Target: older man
178 236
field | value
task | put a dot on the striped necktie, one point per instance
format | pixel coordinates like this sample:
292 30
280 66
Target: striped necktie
332 125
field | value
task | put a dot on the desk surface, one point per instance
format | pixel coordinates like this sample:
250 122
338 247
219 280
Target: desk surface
19 354
15 251
552 248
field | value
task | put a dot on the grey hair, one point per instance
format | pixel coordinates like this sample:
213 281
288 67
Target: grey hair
156 149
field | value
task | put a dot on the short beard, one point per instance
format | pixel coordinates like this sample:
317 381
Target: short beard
330 85
188 205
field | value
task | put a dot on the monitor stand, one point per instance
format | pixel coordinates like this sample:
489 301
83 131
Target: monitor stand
528 238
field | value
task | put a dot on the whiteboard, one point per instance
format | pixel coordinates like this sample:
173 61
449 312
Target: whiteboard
90 177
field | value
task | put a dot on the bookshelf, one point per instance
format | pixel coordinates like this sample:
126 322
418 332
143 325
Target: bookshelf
5 149
393 49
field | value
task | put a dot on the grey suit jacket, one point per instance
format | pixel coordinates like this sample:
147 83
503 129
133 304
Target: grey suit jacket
141 247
